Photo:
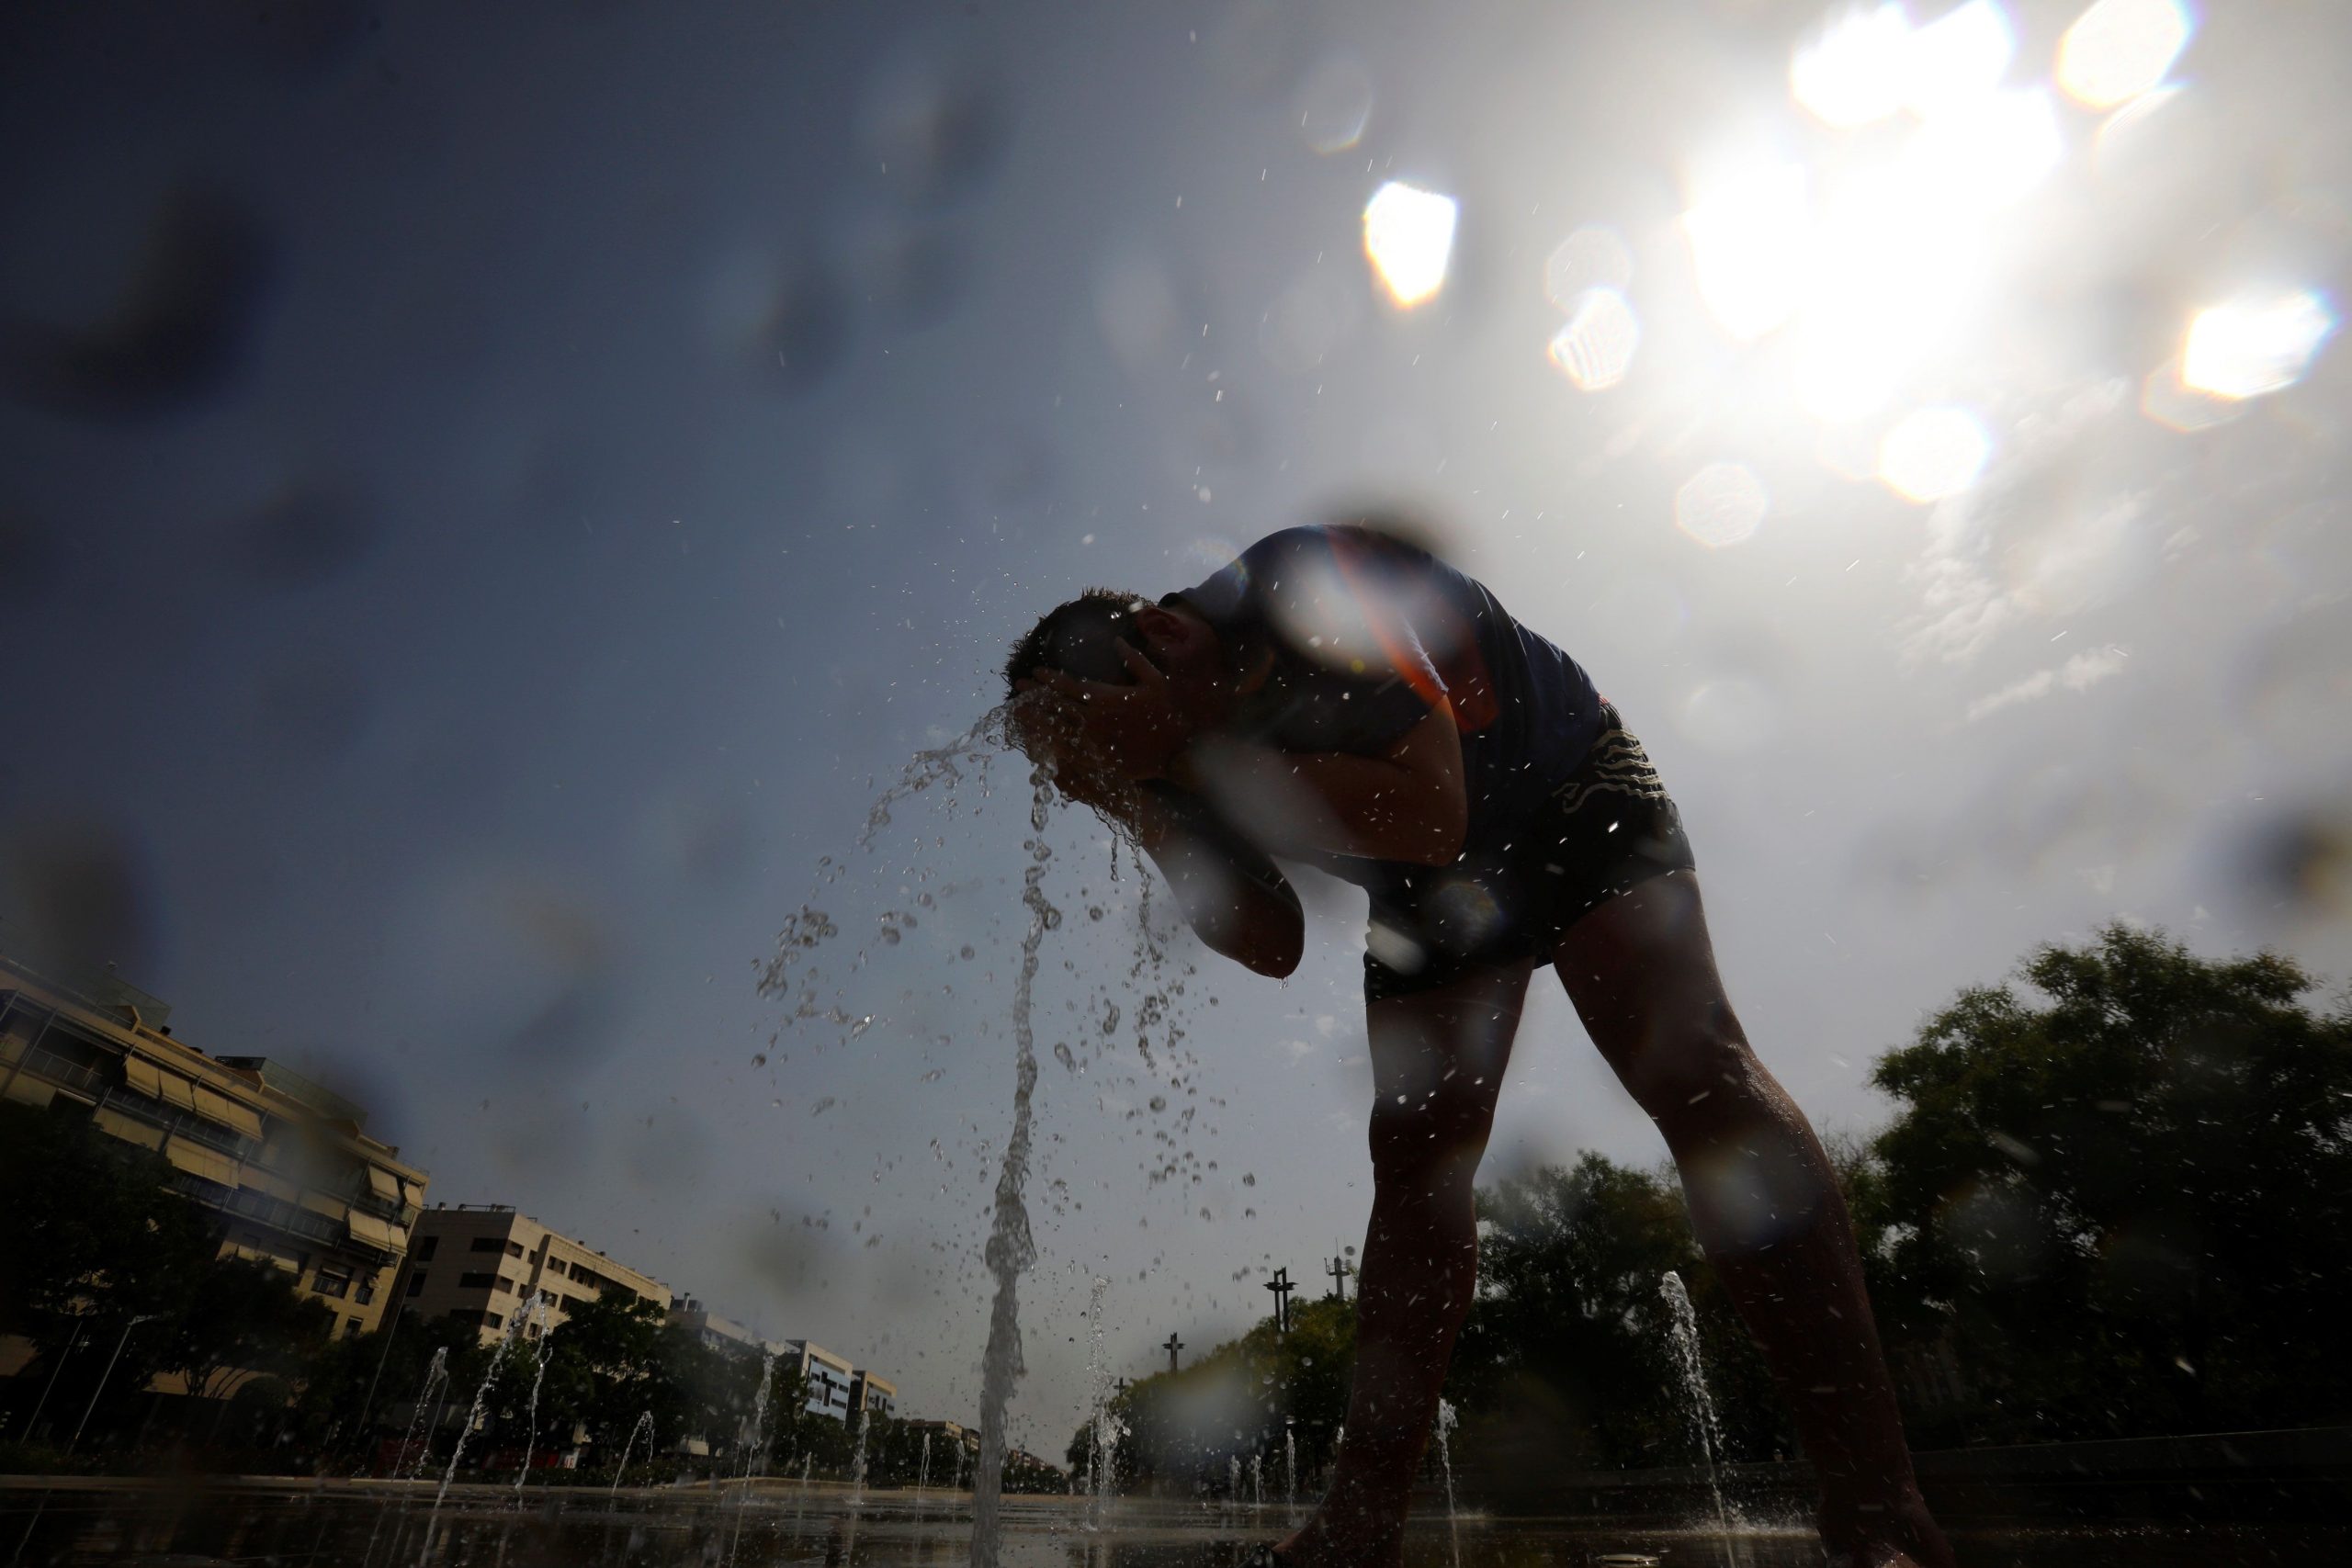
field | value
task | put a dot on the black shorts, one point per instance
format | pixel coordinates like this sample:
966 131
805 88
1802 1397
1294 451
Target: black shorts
1608 827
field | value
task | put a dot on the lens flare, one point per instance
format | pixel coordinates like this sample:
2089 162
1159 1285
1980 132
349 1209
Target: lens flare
1409 238
1933 454
1721 505
1596 347
1957 58
2246 348
1750 241
1981 156
1593 257
2121 49
1853 74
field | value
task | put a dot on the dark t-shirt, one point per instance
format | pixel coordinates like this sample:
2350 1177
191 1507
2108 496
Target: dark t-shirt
1368 634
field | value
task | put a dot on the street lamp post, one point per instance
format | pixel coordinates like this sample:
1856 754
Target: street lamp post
118 1344
79 1324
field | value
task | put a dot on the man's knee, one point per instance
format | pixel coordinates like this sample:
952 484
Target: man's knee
1429 1136
1686 1067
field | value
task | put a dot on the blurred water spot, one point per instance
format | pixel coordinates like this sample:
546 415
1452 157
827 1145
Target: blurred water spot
1594 255
2167 401
1722 505
1309 319
1933 454
515 960
310 531
1409 239
315 702
182 330
2298 862
1595 347
915 271
707 841
936 130
81 894
1334 104
2121 49
1733 714
806 330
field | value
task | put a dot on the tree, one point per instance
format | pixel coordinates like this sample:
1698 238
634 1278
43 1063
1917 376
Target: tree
2113 1197
1567 1348
241 1317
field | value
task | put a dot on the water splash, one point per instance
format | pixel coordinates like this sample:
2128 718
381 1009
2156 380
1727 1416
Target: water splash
644 1425
857 1464
1257 1480
436 1381
754 1446
1011 1247
474 1416
531 1429
1446 1421
922 1474
1290 1470
1699 1405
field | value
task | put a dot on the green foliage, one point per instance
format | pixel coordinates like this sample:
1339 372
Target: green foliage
2108 1204
1565 1358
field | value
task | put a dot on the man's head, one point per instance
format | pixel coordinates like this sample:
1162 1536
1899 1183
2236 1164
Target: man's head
1082 639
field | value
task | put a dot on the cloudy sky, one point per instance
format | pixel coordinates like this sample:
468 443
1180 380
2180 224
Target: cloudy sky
488 495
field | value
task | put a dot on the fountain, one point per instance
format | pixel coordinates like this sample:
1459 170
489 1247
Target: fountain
857 1464
436 1380
1706 1432
922 1473
1290 1470
531 1428
1257 1480
1446 1421
474 1416
1233 1479
1011 1248
644 1425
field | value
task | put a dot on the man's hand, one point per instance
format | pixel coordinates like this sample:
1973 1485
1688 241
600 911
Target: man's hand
1137 728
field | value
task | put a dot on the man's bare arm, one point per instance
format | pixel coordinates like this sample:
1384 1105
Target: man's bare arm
1411 805
1231 895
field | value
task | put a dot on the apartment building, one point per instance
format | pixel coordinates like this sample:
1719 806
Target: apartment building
829 1376
721 1332
870 1391
283 1163
481 1263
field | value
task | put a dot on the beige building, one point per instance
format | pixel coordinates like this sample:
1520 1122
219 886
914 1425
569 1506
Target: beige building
829 1376
721 1332
285 1164
872 1391
481 1263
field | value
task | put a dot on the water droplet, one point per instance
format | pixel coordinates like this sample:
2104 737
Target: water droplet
1159 1102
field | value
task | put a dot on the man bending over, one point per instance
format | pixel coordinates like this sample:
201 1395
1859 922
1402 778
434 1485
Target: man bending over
1342 699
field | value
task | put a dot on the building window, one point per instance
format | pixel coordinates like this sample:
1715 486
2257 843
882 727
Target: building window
416 1283
486 1244
332 1280
504 1287
514 1249
475 1282
350 1328
426 1248
366 1294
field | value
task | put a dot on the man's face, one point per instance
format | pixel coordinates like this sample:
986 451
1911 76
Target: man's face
1182 645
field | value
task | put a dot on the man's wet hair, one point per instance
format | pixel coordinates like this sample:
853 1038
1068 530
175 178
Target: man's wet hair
1081 637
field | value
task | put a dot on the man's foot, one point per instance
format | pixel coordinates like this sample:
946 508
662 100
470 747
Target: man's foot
1900 1535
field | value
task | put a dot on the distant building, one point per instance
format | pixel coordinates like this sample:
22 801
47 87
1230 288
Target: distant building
829 1376
283 1162
481 1263
871 1391
721 1332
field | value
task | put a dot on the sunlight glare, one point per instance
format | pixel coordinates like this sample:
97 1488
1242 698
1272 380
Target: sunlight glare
1409 237
1854 72
2246 348
2121 49
1596 347
1957 58
1933 454
1750 241
1988 153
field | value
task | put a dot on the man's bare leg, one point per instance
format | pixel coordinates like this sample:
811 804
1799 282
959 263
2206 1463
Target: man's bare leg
1763 1200
1437 1063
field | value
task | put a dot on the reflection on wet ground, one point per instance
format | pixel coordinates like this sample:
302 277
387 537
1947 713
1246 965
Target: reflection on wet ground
369 1527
